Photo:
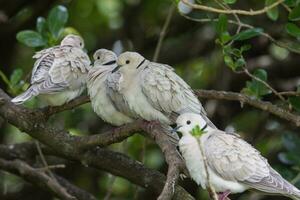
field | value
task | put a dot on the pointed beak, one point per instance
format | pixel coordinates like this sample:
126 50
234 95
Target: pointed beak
175 130
116 69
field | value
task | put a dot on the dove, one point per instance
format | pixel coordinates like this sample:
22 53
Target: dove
149 90
105 62
233 165
59 73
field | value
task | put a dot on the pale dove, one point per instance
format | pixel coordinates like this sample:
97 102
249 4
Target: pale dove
59 73
149 90
105 62
233 165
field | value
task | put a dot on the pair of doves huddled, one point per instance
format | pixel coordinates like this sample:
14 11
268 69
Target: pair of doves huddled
129 87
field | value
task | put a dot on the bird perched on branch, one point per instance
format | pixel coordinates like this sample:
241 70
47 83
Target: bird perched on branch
149 90
225 162
59 73
105 62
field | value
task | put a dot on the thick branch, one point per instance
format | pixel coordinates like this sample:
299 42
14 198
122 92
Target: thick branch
65 145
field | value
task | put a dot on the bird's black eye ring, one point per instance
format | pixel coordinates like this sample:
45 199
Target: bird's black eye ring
98 57
127 61
188 122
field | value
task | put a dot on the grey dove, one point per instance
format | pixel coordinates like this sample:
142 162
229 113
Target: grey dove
149 90
105 62
59 73
233 165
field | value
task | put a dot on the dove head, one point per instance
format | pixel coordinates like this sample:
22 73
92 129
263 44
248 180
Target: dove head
104 57
129 62
72 40
188 123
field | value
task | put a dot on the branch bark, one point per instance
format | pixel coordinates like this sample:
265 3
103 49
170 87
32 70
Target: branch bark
65 145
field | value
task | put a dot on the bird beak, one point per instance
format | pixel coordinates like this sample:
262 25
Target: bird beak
116 69
175 130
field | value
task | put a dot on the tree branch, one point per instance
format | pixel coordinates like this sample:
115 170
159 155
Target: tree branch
239 12
66 145
263 105
35 176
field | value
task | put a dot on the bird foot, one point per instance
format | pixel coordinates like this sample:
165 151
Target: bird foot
223 195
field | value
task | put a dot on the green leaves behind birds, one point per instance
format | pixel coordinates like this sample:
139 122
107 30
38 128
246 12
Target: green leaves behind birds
48 31
255 88
196 131
292 29
222 29
31 38
295 13
272 13
233 57
14 82
295 101
56 20
247 34
229 1
291 143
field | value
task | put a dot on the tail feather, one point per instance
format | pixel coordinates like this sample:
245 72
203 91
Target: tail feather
28 94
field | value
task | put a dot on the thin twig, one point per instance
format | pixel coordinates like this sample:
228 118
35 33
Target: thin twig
60 166
244 25
211 189
43 159
111 182
24 170
239 12
163 33
265 83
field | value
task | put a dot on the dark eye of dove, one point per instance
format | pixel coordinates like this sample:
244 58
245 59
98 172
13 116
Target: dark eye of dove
188 122
127 61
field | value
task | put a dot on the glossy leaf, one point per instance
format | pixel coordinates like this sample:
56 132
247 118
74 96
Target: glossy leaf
56 20
295 102
255 88
41 25
295 14
31 38
293 29
222 24
247 34
229 1
16 76
272 13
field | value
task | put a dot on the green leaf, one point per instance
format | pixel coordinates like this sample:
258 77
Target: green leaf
291 3
272 13
247 34
41 25
196 131
56 20
295 14
222 24
225 37
255 88
229 1
292 29
229 62
16 76
31 38
295 102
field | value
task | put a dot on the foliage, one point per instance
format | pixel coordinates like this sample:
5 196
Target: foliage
266 45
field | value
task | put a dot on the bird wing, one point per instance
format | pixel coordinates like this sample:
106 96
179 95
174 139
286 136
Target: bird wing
167 92
59 68
234 159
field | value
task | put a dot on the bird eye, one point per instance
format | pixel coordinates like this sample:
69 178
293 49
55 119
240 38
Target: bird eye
188 122
127 62
80 44
98 57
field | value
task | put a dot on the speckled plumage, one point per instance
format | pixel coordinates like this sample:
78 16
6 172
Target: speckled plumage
105 62
59 73
233 164
152 91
